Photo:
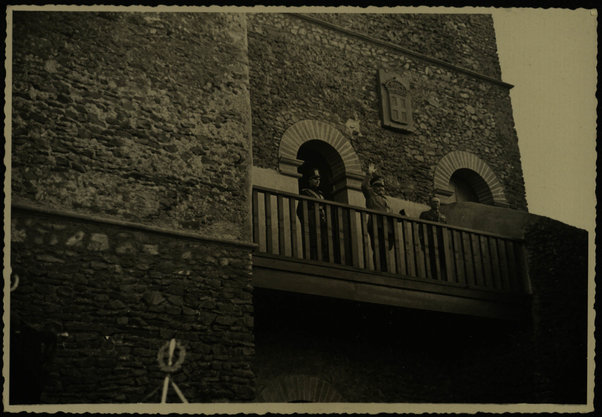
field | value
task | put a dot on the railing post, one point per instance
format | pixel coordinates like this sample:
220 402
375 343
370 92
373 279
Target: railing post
495 262
512 264
385 249
354 236
281 241
341 235
468 259
318 230
398 247
418 250
305 226
368 261
477 258
461 274
447 254
439 272
375 243
425 241
408 243
329 233
268 223
293 225
255 215
485 256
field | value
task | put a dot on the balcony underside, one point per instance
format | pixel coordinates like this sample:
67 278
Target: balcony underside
315 278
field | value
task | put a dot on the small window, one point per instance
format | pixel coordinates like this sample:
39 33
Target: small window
470 186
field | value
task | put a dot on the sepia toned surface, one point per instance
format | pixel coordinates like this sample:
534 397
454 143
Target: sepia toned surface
131 206
131 115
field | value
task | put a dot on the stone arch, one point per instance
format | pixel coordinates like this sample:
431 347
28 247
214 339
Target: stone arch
298 388
490 190
306 130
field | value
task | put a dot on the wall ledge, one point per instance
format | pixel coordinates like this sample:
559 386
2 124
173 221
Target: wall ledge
99 219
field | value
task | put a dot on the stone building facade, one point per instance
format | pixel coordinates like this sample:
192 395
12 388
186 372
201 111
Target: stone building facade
131 143
136 141
306 71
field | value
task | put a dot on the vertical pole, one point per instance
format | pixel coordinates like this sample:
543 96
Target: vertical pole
448 254
341 234
280 209
268 223
255 217
375 243
329 232
293 218
318 231
354 237
399 252
306 244
165 387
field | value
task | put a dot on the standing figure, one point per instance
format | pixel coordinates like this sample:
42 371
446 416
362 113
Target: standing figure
433 232
434 214
311 188
373 188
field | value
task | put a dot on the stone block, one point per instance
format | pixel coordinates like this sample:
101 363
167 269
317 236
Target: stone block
49 258
153 298
151 249
98 242
125 248
76 239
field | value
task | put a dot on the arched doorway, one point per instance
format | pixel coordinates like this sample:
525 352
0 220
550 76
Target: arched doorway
469 186
314 142
317 154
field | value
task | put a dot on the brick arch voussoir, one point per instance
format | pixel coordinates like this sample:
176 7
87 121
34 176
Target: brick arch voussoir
305 130
456 160
299 388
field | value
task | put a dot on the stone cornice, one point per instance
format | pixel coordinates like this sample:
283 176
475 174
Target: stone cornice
403 50
23 206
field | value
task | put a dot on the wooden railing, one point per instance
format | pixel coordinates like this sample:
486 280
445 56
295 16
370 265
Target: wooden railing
298 227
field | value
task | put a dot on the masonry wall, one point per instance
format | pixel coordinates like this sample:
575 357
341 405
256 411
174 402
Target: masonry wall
301 70
125 123
114 295
466 40
141 116
558 267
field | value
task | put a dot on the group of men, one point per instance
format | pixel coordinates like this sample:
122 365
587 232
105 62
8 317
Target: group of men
373 188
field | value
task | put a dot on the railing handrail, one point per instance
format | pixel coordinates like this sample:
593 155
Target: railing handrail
381 213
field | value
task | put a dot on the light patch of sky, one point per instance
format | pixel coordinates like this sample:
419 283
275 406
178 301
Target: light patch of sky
549 55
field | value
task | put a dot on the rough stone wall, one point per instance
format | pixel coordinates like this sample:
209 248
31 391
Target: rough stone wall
559 276
144 116
300 70
465 40
115 295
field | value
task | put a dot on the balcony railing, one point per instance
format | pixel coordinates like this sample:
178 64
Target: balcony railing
323 232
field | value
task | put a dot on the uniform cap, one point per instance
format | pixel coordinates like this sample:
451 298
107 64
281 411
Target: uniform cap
314 173
377 180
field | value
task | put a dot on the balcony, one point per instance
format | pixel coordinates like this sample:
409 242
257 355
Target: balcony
336 250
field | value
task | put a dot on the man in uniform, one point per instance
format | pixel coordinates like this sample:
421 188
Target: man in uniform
434 215
373 188
311 188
